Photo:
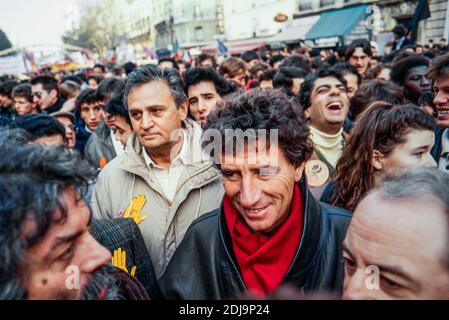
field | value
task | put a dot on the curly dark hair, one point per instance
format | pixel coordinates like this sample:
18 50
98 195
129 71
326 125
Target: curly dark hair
402 66
31 179
375 90
263 109
87 96
194 76
309 82
381 127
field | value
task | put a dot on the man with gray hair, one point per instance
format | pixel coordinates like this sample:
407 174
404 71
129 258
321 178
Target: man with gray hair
161 181
397 244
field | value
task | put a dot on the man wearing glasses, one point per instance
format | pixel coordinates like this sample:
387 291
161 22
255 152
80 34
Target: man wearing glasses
46 94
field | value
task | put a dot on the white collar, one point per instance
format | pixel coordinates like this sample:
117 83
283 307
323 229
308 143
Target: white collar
182 157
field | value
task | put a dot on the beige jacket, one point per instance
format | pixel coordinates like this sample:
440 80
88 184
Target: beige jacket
199 191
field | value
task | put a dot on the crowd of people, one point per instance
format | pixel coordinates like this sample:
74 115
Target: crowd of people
129 182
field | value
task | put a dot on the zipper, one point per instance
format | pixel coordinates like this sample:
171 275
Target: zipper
228 255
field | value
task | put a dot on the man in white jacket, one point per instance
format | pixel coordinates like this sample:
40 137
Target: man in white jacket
162 181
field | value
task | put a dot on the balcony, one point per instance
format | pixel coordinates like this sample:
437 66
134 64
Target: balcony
305 6
326 3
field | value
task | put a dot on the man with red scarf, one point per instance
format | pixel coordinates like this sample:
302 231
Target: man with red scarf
269 231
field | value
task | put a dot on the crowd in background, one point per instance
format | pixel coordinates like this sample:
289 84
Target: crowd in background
90 169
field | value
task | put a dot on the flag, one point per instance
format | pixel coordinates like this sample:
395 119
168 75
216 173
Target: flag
222 48
422 12
187 57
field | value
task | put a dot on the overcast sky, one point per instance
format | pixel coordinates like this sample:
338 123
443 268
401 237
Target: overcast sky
28 22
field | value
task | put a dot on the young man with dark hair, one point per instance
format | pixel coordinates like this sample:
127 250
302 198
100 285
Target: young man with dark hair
289 79
162 169
439 73
23 98
102 145
122 125
206 60
351 75
325 102
6 99
94 80
268 231
89 115
46 94
43 129
411 74
359 55
204 88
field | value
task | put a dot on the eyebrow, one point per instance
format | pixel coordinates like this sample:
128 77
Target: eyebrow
61 240
346 249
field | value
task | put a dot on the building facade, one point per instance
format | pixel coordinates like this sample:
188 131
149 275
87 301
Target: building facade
255 18
382 16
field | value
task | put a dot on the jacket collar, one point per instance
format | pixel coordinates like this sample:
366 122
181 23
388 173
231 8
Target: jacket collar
133 160
311 243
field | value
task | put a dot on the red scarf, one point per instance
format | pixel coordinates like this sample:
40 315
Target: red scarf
265 261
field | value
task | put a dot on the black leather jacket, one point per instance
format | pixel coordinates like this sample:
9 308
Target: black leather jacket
204 266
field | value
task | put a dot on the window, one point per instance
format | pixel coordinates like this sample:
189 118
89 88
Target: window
199 34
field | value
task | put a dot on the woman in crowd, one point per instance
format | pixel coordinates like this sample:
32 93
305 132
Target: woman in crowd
385 138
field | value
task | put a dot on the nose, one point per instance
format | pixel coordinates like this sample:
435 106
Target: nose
202 106
354 287
147 121
249 195
92 115
425 82
95 257
430 161
440 99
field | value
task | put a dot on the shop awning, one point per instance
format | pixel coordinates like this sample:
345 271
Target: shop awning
297 30
337 23
240 46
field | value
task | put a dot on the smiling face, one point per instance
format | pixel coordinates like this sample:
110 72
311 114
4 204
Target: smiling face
416 82
260 190
154 115
441 101
66 244
407 246
329 105
203 99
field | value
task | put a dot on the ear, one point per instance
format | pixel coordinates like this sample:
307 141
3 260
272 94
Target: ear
183 110
377 160
299 171
54 93
226 77
307 113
